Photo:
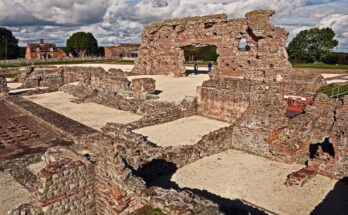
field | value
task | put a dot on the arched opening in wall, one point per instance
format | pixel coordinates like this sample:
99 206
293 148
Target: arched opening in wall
243 45
200 58
325 147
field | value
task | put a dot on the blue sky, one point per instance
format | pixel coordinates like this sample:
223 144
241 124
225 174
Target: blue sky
114 21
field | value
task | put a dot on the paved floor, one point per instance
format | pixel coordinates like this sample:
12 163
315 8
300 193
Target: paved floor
237 175
185 131
174 89
20 134
90 114
12 194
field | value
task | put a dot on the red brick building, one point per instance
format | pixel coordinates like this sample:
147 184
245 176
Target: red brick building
42 50
123 50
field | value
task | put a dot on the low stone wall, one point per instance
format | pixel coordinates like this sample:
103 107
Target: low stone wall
3 87
154 112
70 128
114 190
66 184
144 85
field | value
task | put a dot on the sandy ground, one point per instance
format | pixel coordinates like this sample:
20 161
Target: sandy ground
336 81
175 89
185 131
125 68
36 167
27 89
12 194
257 180
90 114
328 75
13 86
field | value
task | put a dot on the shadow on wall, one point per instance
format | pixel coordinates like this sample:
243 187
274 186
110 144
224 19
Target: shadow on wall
159 172
336 202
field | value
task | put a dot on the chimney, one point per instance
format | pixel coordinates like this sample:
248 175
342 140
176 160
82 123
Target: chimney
41 41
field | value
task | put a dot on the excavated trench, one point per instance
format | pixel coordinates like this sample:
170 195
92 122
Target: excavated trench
159 173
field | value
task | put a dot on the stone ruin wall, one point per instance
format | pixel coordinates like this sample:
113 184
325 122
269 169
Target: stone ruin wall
104 182
120 161
114 90
3 87
66 184
161 49
246 87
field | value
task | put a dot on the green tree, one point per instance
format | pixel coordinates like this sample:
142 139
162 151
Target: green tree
8 44
312 45
82 44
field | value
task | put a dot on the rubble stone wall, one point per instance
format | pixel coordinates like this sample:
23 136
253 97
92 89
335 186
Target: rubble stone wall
147 85
341 138
161 51
153 112
66 184
3 87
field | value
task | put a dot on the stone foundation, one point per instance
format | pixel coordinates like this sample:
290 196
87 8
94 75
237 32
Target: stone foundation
66 184
147 85
3 87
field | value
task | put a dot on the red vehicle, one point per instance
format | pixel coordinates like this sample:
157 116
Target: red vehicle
295 105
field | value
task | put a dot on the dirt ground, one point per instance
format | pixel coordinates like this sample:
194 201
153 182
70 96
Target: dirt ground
185 131
259 181
12 194
124 67
36 167
14 85
175 89
90 114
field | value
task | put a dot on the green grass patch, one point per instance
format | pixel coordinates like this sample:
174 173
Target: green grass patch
63 62
334 89
9 75
153 211
321 66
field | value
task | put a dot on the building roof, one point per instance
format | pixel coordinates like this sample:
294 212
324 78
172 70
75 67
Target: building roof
45 47
125 45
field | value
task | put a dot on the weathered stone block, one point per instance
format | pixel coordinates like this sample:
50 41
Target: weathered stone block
147 85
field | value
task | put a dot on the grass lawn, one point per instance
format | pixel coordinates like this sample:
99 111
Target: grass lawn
321 66
333 89
62 62
9 75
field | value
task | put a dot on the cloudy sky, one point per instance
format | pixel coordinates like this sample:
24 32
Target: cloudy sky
114 21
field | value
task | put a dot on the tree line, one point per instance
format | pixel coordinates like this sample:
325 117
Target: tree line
315 45
79 44
309 46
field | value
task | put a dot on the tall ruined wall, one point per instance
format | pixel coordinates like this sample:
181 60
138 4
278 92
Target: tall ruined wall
341 137
161 51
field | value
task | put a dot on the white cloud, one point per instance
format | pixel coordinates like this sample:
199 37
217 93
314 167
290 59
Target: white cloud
113 21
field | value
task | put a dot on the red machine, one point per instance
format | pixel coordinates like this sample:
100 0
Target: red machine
295 105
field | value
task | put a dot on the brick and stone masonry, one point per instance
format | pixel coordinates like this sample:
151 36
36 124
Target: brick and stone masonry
161 51
3 87
147 85
245 90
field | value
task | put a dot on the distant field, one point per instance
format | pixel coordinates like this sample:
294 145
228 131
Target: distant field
23 64
321 66
9 75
